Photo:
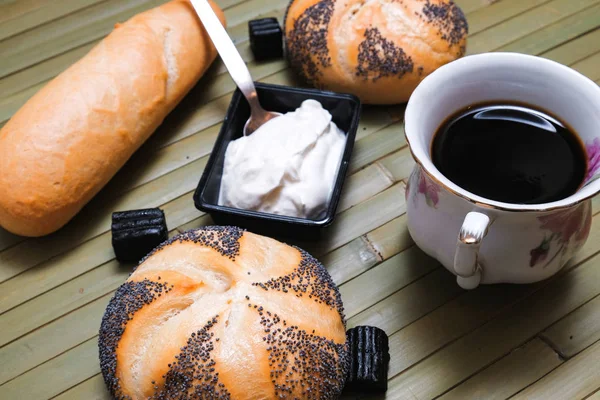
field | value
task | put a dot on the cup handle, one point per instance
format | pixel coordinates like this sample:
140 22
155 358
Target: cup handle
466 263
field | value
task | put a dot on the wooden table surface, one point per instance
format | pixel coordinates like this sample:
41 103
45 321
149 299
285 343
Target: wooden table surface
504 341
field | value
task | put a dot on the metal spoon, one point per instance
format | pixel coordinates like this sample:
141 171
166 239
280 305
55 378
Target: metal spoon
234 64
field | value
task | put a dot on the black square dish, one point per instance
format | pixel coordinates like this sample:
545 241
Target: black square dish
345 110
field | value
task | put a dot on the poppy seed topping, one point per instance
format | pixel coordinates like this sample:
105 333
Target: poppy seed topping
194 324
192 376
310 278
303 361
377 50
307 41
224 239
129 298
449 20
380 58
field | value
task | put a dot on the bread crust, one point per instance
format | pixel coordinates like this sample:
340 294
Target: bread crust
379 50
222 313
72 136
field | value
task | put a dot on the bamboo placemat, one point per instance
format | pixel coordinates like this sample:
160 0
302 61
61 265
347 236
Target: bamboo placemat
533 341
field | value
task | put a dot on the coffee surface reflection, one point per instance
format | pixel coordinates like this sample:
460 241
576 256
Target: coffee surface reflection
510 153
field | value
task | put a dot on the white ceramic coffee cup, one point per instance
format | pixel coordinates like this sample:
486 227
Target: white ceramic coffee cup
499 242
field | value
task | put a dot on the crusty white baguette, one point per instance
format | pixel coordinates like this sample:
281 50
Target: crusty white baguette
71 137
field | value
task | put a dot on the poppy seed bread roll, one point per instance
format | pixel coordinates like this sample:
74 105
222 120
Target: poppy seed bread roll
73 135
219 313
379 50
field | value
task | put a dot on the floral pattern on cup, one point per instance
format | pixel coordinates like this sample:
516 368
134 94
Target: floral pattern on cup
429 189
563 226
593 153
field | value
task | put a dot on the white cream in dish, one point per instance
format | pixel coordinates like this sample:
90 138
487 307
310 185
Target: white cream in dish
288 166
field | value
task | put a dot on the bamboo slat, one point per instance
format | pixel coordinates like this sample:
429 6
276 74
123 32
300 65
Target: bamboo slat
526 23
11 104
577 49
399 166
91 389
471 5
400 310
557 33
372 179
63 299
575 379
498 12
52 340
389 239
364 252
10 9
391 276
442 322
594 396
38 14
589 67
225 4
246 10
7 239
509 375
361 219
576 331
63 34
41 72
595 204
91 24
59 374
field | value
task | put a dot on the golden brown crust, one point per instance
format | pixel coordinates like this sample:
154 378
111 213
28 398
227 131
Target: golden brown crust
225 314
71 137
379 50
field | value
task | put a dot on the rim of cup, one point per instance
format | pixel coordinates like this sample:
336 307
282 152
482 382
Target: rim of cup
422 95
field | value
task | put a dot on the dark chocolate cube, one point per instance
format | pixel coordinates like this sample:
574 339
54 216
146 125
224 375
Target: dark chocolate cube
369 359
137 232
266 38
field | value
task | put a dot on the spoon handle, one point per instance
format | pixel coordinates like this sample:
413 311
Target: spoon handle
231 58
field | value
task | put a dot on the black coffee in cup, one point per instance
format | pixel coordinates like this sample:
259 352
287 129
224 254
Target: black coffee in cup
510 153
